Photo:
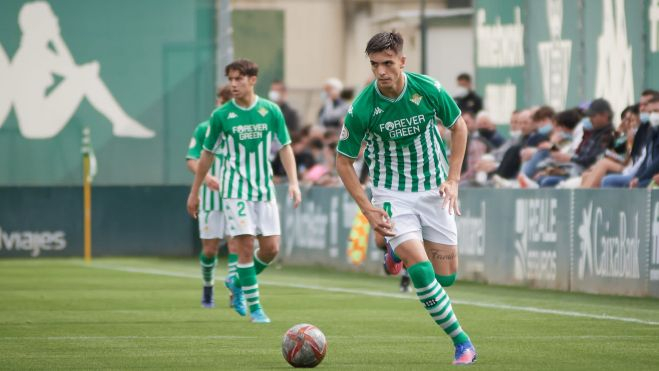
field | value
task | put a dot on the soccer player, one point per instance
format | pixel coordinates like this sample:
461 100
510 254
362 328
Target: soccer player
211 221
242 130
415 188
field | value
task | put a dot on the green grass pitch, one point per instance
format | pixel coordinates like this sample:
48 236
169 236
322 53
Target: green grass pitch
145 314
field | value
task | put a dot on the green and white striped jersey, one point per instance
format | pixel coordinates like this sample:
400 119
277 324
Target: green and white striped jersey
404 151
244 136
209 200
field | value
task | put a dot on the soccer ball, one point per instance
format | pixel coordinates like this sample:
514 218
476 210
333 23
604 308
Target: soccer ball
304 345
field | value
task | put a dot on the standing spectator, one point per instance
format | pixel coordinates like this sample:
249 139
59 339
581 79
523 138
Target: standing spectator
279 94
334 107
465 96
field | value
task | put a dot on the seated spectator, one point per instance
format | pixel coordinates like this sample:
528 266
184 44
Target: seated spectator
560 140
542 121
488 130
476 147
650 164
488 164
303 158
598 134
618 159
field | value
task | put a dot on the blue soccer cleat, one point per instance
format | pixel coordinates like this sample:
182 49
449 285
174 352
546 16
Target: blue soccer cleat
465 354
259 316
238 299
207 298
392 265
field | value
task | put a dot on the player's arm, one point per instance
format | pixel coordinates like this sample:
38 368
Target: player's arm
194 152
352 134
211 142
288 161
210 181
450 116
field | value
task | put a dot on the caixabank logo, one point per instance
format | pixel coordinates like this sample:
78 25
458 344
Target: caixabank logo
608 247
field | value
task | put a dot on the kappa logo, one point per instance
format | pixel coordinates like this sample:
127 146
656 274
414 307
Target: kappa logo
232 115
416 99
377 111
344 133
193 143
263 111
350 110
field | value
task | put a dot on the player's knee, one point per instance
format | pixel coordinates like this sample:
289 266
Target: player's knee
446 281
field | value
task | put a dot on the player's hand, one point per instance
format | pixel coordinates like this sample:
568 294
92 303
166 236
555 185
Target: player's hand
212 182
193 204
449 191
295 194
380 221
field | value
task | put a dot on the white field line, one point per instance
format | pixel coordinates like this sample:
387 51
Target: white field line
389 295
395 338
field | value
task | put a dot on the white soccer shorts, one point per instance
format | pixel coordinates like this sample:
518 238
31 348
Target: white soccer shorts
256 218
211 225
417 215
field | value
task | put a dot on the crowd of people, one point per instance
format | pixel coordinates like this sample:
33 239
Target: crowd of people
579 147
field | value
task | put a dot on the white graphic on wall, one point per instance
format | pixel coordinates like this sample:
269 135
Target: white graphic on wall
653 18
33 241
535 226
607 251
500 101
654 245
499 45
555 58
614 80
42 106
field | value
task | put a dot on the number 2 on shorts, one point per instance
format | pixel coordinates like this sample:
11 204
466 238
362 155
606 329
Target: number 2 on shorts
241 208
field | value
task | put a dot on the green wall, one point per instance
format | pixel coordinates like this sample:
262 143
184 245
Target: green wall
156 58
599 49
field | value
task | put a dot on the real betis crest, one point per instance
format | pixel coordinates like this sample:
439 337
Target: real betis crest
416 99
263 111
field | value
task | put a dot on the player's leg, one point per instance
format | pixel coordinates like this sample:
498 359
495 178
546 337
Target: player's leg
210 232
208 262
440 239
392 263
269 231
232 265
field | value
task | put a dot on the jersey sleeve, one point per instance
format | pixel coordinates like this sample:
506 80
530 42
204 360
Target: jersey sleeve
213 133
445 107
282 134
352 135
196 143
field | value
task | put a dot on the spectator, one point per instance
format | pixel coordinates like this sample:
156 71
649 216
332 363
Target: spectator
334 107
489 164
542 123
487 130
511 161
598 134
304 160
650 165
465 97
476 148
619 159
279 94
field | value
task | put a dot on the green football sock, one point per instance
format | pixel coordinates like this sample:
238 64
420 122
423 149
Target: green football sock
233 262
259 265
207 269
436 301
250 286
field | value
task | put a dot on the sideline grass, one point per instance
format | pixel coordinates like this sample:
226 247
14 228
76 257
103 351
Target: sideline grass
61 314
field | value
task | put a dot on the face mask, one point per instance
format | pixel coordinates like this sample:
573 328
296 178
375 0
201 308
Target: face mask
566 136
586 124
461 91
274 95
485 132
515 134
645 117
545 129
654 119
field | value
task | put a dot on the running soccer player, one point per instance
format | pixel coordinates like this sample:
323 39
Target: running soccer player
211 221
242 131
415 188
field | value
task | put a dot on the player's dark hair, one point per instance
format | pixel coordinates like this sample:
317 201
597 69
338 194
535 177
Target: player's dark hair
464 76
243 66
383 41
651 92
224 93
